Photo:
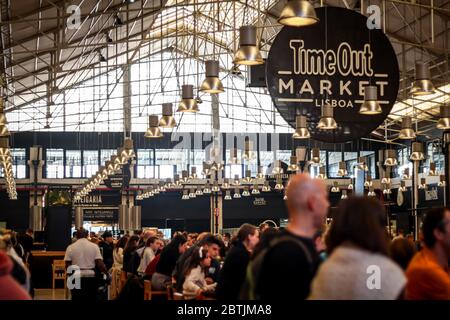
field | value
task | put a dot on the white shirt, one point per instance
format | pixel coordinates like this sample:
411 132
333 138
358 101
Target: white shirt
83 254
194 281
355 274
148 256
118 258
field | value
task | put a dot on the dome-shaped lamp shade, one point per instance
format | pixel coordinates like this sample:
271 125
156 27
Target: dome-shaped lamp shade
293 166
417 151
422 84
212 83
185 195
432 171
248 176
371 192
227 195
362 164
301 131
390 157
368 182
327 121
167 120
187 103
370 104
277 169
407 132
335 187
444 120
266 187
442 181
315 155
322 175
248 52
342 169
298 13
127 151
237 194
4 132
344 195
153 130
423 183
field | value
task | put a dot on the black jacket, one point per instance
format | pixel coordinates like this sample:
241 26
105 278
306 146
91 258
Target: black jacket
232 275
131 261
107 253
167 261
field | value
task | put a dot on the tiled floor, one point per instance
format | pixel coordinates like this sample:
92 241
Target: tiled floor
49 294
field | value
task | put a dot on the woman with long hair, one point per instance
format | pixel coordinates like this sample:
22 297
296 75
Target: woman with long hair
118 251
117 267
167 261
232 274
131 259
358 266
195 278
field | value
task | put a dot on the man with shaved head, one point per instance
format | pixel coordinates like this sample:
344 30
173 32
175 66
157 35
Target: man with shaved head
291 260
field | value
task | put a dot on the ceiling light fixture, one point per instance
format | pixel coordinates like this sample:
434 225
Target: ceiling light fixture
422 84
248 52
187 103
167 120
153 130
212 83
301 129
298 13
370 105
407 132
327 121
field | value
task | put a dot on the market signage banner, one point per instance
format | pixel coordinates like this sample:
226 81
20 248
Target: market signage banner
120 180
330 63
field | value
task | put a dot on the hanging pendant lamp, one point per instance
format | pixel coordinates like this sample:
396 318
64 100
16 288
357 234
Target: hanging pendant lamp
187 103
327 121
417 151
422 84
315 155
167 119
212 83
248 52
342 169
153 130
298 13
301 130
277 169
370 106
444 120
407 132
293 166
390 157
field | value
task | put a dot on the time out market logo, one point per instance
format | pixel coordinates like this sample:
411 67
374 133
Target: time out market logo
332 62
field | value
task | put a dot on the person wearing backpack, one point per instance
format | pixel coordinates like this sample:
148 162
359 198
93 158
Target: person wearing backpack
285 269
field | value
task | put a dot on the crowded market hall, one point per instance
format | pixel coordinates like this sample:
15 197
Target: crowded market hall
256 150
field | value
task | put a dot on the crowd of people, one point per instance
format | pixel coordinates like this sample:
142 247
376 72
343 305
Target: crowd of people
352 258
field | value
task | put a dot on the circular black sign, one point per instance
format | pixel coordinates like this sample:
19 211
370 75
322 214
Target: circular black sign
332 61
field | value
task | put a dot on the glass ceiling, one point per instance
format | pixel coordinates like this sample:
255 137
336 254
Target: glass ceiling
88 108
173 55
